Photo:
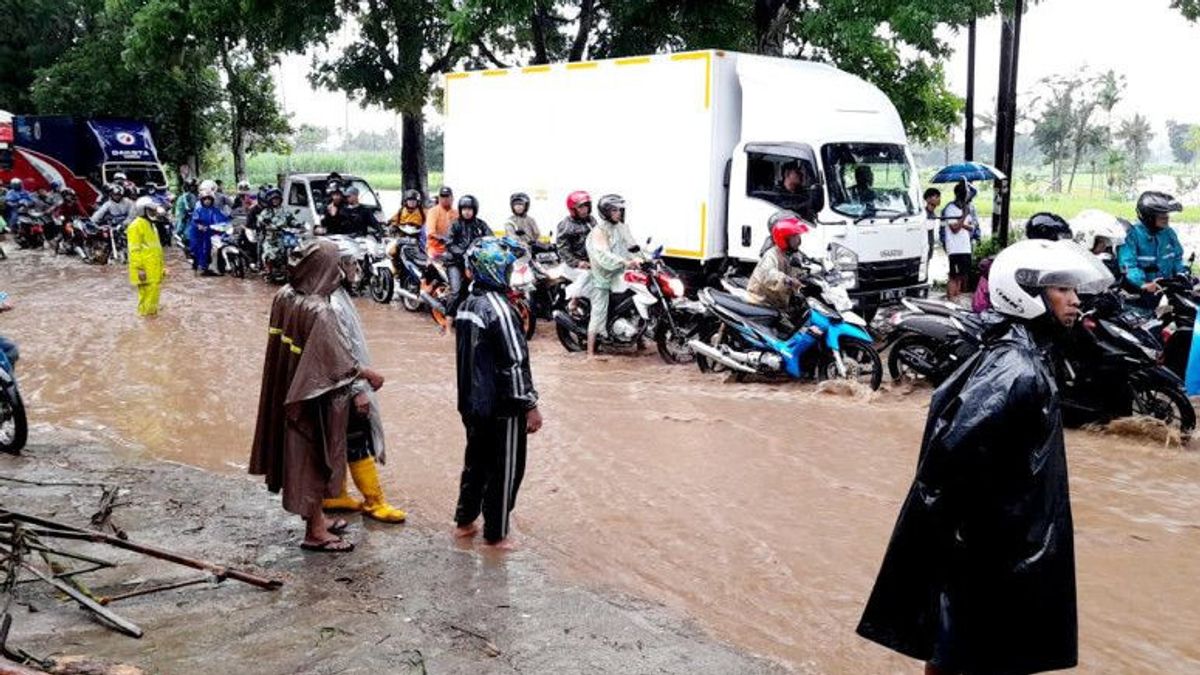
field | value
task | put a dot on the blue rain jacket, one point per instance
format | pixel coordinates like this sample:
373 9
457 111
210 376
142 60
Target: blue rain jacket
1148 255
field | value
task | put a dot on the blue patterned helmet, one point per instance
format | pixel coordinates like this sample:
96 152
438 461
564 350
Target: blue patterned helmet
491 262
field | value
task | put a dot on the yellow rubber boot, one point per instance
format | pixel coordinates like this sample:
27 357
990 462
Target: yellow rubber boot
366 478
342 502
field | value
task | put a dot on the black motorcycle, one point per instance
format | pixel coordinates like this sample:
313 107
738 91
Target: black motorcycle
1110 367
31 227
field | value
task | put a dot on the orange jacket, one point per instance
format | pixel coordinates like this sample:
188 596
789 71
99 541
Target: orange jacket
437 229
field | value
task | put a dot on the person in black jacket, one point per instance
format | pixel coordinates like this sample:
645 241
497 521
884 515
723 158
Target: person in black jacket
357 220
464 231
496 397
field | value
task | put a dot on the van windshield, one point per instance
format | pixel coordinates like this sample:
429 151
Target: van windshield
868 179
140 174
366 196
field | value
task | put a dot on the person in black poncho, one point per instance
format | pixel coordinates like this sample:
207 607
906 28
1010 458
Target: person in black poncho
979 576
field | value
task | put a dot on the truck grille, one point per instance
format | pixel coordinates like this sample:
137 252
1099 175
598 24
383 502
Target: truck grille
874 276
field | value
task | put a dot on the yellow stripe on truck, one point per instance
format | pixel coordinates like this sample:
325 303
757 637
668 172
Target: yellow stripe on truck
494 73
696 56
535 69
583 65
635 61
683 253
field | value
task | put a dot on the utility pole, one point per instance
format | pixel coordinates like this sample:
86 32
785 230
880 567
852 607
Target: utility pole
1006 116
969 141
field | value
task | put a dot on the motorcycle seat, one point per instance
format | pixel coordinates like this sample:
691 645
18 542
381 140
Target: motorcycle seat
413 253
744 309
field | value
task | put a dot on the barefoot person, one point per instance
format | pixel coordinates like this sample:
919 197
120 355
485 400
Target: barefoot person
364 437
305 404
496 397
979 576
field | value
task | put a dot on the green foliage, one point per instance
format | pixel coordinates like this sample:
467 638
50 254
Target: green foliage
308 138
1135 135
34 34
1189 8
93 79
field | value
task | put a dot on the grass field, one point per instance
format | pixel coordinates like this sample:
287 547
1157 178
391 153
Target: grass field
1031 192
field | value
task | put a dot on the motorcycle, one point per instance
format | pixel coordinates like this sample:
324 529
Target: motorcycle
832 341
274 259
1177 313
73 240
226 252
548 290
1111 369
14 427
30 228
642 305
401 271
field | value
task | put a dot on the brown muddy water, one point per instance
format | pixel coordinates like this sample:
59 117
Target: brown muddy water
760 510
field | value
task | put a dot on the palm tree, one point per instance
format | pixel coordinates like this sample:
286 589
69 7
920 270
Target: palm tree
1135 135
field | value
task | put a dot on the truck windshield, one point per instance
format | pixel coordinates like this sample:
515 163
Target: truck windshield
139 174
366 196
868 179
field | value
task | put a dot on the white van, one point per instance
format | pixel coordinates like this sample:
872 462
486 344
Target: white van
698 144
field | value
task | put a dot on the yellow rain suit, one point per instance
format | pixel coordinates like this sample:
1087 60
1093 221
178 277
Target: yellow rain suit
145 255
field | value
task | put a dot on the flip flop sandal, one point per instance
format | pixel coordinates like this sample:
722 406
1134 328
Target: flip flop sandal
339 526
330 546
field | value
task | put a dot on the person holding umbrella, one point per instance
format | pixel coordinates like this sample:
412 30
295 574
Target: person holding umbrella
960 224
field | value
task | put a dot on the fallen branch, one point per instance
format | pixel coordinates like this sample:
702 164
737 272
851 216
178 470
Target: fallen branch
39 483
121 624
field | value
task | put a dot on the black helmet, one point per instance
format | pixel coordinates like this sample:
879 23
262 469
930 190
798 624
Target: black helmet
468 202
610 203
1153 204
1048 226
519 198
412 194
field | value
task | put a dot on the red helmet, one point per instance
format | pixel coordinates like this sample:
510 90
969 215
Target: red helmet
783 228
577 198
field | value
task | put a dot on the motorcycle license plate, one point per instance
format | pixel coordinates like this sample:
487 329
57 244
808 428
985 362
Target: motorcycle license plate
894 294
547 257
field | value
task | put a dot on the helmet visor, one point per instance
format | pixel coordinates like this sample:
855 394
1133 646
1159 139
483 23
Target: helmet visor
1079 269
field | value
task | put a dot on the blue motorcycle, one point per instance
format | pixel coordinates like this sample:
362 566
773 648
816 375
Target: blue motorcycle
831 341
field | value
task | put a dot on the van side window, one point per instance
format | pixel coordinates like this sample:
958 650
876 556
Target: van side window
297 195
787 182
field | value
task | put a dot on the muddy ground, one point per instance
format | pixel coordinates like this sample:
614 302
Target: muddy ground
408 600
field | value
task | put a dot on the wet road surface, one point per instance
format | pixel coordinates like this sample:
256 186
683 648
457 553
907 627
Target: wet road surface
760 510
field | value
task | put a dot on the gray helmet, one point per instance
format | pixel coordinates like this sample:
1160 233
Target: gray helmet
609 203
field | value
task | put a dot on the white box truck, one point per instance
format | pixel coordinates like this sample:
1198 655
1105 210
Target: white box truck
700 145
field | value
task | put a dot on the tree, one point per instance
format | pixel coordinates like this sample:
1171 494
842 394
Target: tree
225 34
1190 8
309 138
1178 135
1193 144
94 79
36 34
1135 135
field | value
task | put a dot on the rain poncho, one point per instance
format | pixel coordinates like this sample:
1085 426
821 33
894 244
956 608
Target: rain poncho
351 326
200 237
1151 254
608 249
145 255
979 576
769 283
304 405
522 228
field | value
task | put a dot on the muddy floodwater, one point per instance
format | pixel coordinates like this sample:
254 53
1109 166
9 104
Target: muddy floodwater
760 510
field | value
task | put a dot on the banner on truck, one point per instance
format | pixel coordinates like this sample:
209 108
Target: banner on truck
124 141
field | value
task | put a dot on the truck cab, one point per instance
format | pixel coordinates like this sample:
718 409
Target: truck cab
860 195
304 195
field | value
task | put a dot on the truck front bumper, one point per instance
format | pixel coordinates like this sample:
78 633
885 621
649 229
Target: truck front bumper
888 296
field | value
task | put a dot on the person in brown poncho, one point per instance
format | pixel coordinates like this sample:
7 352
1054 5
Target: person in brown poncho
304 407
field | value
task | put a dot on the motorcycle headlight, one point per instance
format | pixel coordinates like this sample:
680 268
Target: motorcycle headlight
845 262
839 298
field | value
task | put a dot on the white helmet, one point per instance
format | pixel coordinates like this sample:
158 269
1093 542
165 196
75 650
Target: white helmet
1093 223
208 184
1022 270
145 207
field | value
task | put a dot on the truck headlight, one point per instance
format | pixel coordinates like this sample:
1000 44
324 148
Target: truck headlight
923 273
845 262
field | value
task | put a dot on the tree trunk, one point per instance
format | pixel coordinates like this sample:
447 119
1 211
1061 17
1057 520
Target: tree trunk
771 18
1074 168
579 46
238 146
237 130
413 172
537 23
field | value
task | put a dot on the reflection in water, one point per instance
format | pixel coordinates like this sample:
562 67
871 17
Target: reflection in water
761 510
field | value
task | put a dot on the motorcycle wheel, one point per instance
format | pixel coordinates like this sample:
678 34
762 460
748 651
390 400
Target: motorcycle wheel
862 363
100 254
707 333
383 286
1166 404
237 267
14 428
673 344
570 339
413 286
904 352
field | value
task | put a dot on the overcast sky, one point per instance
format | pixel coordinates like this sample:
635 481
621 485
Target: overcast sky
1147 41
